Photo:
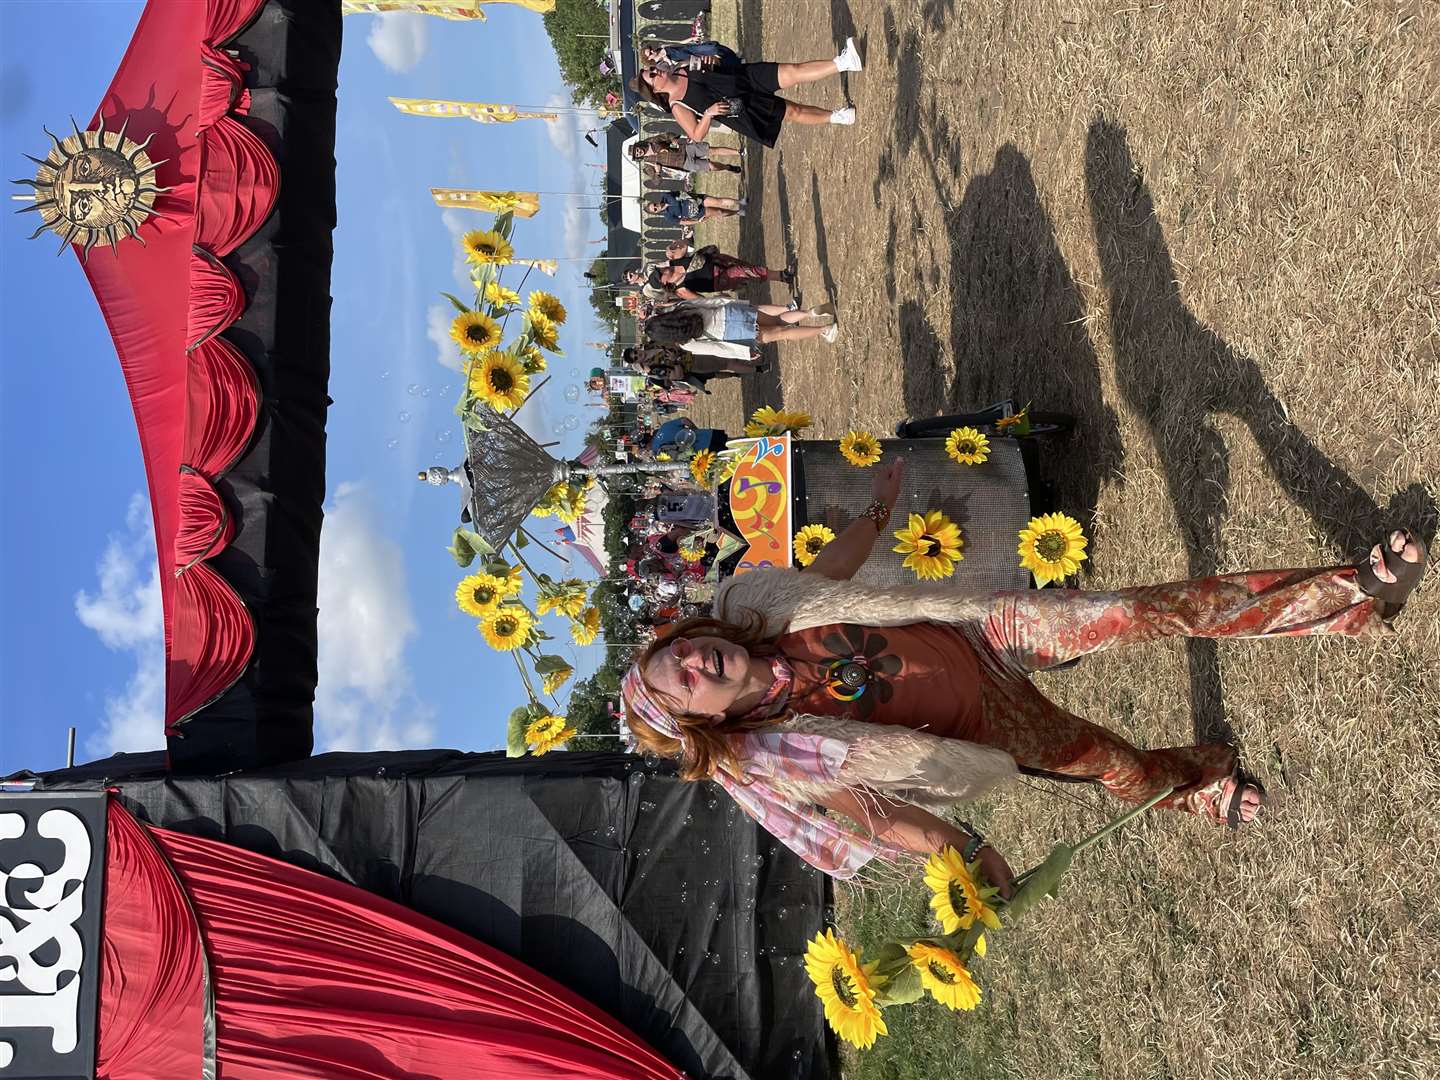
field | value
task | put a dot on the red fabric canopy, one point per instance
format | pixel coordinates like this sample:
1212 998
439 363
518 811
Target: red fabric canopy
315 978
195 410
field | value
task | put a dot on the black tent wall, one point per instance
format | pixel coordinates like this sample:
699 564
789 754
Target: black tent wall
656 899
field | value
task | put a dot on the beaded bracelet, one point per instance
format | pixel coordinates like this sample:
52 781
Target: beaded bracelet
878 513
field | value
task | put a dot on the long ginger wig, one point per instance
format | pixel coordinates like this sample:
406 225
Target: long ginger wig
705 746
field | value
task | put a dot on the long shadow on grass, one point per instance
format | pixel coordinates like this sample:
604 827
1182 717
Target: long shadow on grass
1175 373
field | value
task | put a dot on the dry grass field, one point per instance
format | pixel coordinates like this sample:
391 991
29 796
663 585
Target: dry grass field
1212 232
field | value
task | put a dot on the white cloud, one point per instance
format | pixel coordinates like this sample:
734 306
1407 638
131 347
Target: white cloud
399 39
365 699
457 224
126 613
566 135
567 131
438 318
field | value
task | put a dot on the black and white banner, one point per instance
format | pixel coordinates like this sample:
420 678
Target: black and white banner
52 865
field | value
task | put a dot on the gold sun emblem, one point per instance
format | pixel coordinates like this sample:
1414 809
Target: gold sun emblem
91 186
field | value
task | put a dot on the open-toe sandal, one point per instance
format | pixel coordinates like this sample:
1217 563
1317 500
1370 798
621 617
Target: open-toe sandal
1226 807
1391 595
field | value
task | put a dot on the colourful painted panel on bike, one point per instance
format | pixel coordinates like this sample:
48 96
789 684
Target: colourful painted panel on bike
759 499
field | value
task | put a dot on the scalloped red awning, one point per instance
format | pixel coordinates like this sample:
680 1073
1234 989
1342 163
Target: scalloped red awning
195 396
315 978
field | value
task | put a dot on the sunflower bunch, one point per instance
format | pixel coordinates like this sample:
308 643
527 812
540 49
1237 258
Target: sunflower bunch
497 375
547 733
566 598
905 969
767 420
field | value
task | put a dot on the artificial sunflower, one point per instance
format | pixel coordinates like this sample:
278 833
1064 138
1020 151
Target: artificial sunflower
507 628
944 976
809 541
700 466
931 545
500 296
571 503
1019 424
500 381
480 594
544 330
475 332
549 306
553 680
692 552
957 900
584 629
513 577
531 359
967 446
860 448
567 599
768 420
485 246
1052 547
548 733
847 989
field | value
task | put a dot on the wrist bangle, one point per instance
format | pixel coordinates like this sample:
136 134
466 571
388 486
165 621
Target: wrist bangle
878 513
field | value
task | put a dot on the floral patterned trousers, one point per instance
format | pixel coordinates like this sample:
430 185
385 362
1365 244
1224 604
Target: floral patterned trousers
1030 630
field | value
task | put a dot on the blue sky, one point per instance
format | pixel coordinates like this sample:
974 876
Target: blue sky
400 666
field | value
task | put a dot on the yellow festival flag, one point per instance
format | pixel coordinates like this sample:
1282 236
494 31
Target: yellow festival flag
444 9
479 111
524 204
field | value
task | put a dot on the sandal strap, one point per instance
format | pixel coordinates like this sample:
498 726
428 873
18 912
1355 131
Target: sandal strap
1393 594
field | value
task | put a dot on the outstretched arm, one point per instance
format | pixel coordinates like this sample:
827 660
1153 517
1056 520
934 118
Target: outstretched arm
843 556
917 830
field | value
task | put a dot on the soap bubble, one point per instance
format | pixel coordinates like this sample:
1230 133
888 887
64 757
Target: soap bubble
413 389
444 435
392 444
403 416
570 423
572 393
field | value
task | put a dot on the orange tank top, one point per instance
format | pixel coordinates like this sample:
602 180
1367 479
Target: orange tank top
924 676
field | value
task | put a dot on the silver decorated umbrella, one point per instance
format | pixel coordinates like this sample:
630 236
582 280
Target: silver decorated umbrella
506 474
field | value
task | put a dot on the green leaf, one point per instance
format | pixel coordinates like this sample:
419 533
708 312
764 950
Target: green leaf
480 276
548 665
466 545
903 988
1039 883
519 540
460 305
515 730
505 223
473 418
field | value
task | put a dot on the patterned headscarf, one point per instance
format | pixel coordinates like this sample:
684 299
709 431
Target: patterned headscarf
767 756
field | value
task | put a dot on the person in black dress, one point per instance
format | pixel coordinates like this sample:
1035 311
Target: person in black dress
744 97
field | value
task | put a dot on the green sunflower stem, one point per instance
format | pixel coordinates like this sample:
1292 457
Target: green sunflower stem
521 559
530 536
525 677
1105 830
